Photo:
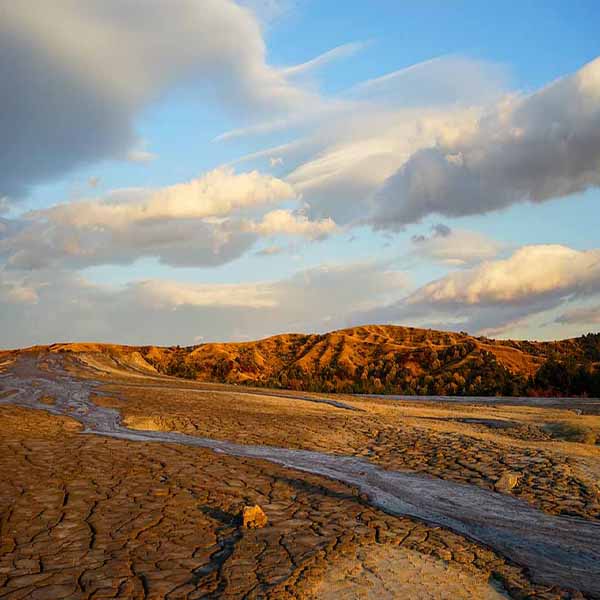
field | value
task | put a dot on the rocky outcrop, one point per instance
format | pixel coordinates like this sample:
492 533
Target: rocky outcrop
253 517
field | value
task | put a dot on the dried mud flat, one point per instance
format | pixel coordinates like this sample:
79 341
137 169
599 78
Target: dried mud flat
129 486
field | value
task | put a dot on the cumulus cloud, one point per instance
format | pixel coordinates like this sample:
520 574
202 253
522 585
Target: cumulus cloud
350 147
532 272
286 222
526 148
79 73
493 298
339 170
152 311
453 247
207 221
534 279
42 244
217 193
443 137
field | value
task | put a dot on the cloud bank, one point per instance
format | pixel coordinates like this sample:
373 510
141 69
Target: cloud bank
498 293
180 312
526 148
492 298
80 72
207 221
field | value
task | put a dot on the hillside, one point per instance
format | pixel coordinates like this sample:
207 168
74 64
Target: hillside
377 359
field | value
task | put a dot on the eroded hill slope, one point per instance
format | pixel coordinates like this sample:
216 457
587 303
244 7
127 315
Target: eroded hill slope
373 358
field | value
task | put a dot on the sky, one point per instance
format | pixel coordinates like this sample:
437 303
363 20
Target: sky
185 171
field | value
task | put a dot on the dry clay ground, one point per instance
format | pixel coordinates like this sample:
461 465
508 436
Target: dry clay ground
82 516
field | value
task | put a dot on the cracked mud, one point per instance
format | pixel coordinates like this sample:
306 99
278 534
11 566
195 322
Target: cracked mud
122 512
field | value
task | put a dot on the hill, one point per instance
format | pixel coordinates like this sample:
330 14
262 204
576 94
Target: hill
377 359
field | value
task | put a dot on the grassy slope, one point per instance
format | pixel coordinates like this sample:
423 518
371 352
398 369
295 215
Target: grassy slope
369 358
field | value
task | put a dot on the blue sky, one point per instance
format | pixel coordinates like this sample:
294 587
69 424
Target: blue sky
426 168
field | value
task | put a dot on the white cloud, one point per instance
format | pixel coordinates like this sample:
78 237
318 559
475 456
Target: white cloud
199 222
286 222
367 111
438 137
350 146
498 295
80 72
193 242
342 51
217 193
338 171
525 148
171 295
171 312
531 273
454 247
442 137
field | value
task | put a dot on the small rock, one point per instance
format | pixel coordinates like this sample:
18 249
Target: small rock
253 517
508 480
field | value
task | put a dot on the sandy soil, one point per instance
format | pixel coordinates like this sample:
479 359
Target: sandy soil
391 573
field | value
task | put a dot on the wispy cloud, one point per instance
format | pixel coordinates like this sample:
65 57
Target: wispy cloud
337 53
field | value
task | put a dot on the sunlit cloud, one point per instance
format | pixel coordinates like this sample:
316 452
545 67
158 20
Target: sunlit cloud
526 148
499 293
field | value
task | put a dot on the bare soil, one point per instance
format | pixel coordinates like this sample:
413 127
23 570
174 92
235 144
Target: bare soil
88 516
